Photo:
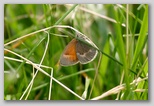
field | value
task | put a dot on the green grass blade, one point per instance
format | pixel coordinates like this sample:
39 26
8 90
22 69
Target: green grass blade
142 38
72 8
37 44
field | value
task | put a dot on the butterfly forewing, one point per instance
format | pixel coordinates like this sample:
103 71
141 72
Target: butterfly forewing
69 56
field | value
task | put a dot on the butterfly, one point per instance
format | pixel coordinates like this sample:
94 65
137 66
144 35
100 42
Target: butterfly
77 51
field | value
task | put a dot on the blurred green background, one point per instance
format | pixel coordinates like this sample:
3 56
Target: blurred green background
120 31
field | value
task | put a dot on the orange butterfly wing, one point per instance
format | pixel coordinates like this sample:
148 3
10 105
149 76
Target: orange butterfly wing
69 56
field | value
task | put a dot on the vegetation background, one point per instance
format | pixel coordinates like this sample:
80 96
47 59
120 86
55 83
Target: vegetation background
32 40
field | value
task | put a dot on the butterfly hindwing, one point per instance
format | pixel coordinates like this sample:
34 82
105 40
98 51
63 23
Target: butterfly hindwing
85 53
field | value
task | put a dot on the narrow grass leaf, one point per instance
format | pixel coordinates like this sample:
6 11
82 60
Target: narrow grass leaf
142 38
